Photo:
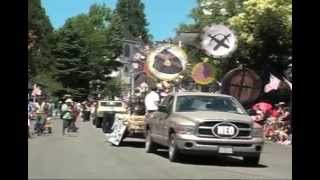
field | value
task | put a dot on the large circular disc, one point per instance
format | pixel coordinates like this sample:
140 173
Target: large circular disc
167 62
243 84
203 73
218 41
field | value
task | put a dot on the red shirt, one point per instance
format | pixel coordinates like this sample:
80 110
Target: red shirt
275 113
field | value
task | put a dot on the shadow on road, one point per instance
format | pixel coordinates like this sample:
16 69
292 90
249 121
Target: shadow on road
132 144
71 135
209 160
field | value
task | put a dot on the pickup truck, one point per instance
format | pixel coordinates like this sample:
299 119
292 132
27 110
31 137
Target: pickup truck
203 123
106 111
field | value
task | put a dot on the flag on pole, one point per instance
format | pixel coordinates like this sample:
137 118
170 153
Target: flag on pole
273 84
36 90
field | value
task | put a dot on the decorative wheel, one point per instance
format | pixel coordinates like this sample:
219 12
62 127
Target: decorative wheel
166 62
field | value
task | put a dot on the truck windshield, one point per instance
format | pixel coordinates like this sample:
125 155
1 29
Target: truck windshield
111 103
208 103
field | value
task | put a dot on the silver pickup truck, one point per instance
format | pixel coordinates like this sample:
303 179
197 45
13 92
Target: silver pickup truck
203 123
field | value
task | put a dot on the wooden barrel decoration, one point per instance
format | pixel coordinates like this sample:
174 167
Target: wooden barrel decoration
243 84
203 73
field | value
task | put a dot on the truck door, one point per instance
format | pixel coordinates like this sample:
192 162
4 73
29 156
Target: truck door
163 120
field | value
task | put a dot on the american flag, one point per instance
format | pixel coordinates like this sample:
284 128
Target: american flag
273 84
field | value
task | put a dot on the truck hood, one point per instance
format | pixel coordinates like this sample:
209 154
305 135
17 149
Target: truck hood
200 116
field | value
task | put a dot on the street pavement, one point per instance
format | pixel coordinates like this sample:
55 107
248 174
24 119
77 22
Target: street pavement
86 155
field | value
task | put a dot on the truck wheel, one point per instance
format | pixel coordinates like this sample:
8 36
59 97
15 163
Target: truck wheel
98 122
94 121
150 146
103 126
173 149
49 130
252 160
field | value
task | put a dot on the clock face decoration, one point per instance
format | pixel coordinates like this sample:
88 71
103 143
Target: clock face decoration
218 41
203 73
166 62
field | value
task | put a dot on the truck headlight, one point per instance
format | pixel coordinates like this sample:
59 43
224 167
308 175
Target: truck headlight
257 132
184 129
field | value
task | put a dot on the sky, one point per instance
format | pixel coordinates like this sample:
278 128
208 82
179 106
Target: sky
163 16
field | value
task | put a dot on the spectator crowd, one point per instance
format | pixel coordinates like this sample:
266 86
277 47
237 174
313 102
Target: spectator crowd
275 120
41 113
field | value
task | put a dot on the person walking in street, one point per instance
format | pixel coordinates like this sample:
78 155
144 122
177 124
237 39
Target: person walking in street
152 100
29 117
92 112
75 114
86 111
66 114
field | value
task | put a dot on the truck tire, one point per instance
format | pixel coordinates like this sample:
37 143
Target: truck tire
98 122
104 126
251 160
49 130
150 146
174 153
94 121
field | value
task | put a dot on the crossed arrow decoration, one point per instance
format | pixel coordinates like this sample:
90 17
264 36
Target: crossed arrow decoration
220 42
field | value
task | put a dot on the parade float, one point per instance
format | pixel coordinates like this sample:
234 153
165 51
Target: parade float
161 67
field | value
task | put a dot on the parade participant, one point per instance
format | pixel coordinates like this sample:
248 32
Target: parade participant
152 101
86 111
29 117
92 111
42 109
66 114
75 114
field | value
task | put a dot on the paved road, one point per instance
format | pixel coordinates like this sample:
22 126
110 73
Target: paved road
86 155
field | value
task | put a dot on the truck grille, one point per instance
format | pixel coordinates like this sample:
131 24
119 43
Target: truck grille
224 144
205 129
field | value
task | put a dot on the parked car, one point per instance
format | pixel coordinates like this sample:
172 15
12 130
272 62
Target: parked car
106 111
203 123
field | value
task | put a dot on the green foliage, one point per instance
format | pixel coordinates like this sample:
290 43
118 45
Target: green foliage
128 22
215 11
40 58
81 50
263 28
47 80
113 88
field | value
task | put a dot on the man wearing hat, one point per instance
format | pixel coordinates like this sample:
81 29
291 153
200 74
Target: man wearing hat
66 115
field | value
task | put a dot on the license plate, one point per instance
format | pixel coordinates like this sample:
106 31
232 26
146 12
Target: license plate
225 150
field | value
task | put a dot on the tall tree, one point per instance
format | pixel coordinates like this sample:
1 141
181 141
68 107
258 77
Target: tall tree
40 31
81 50
128 22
